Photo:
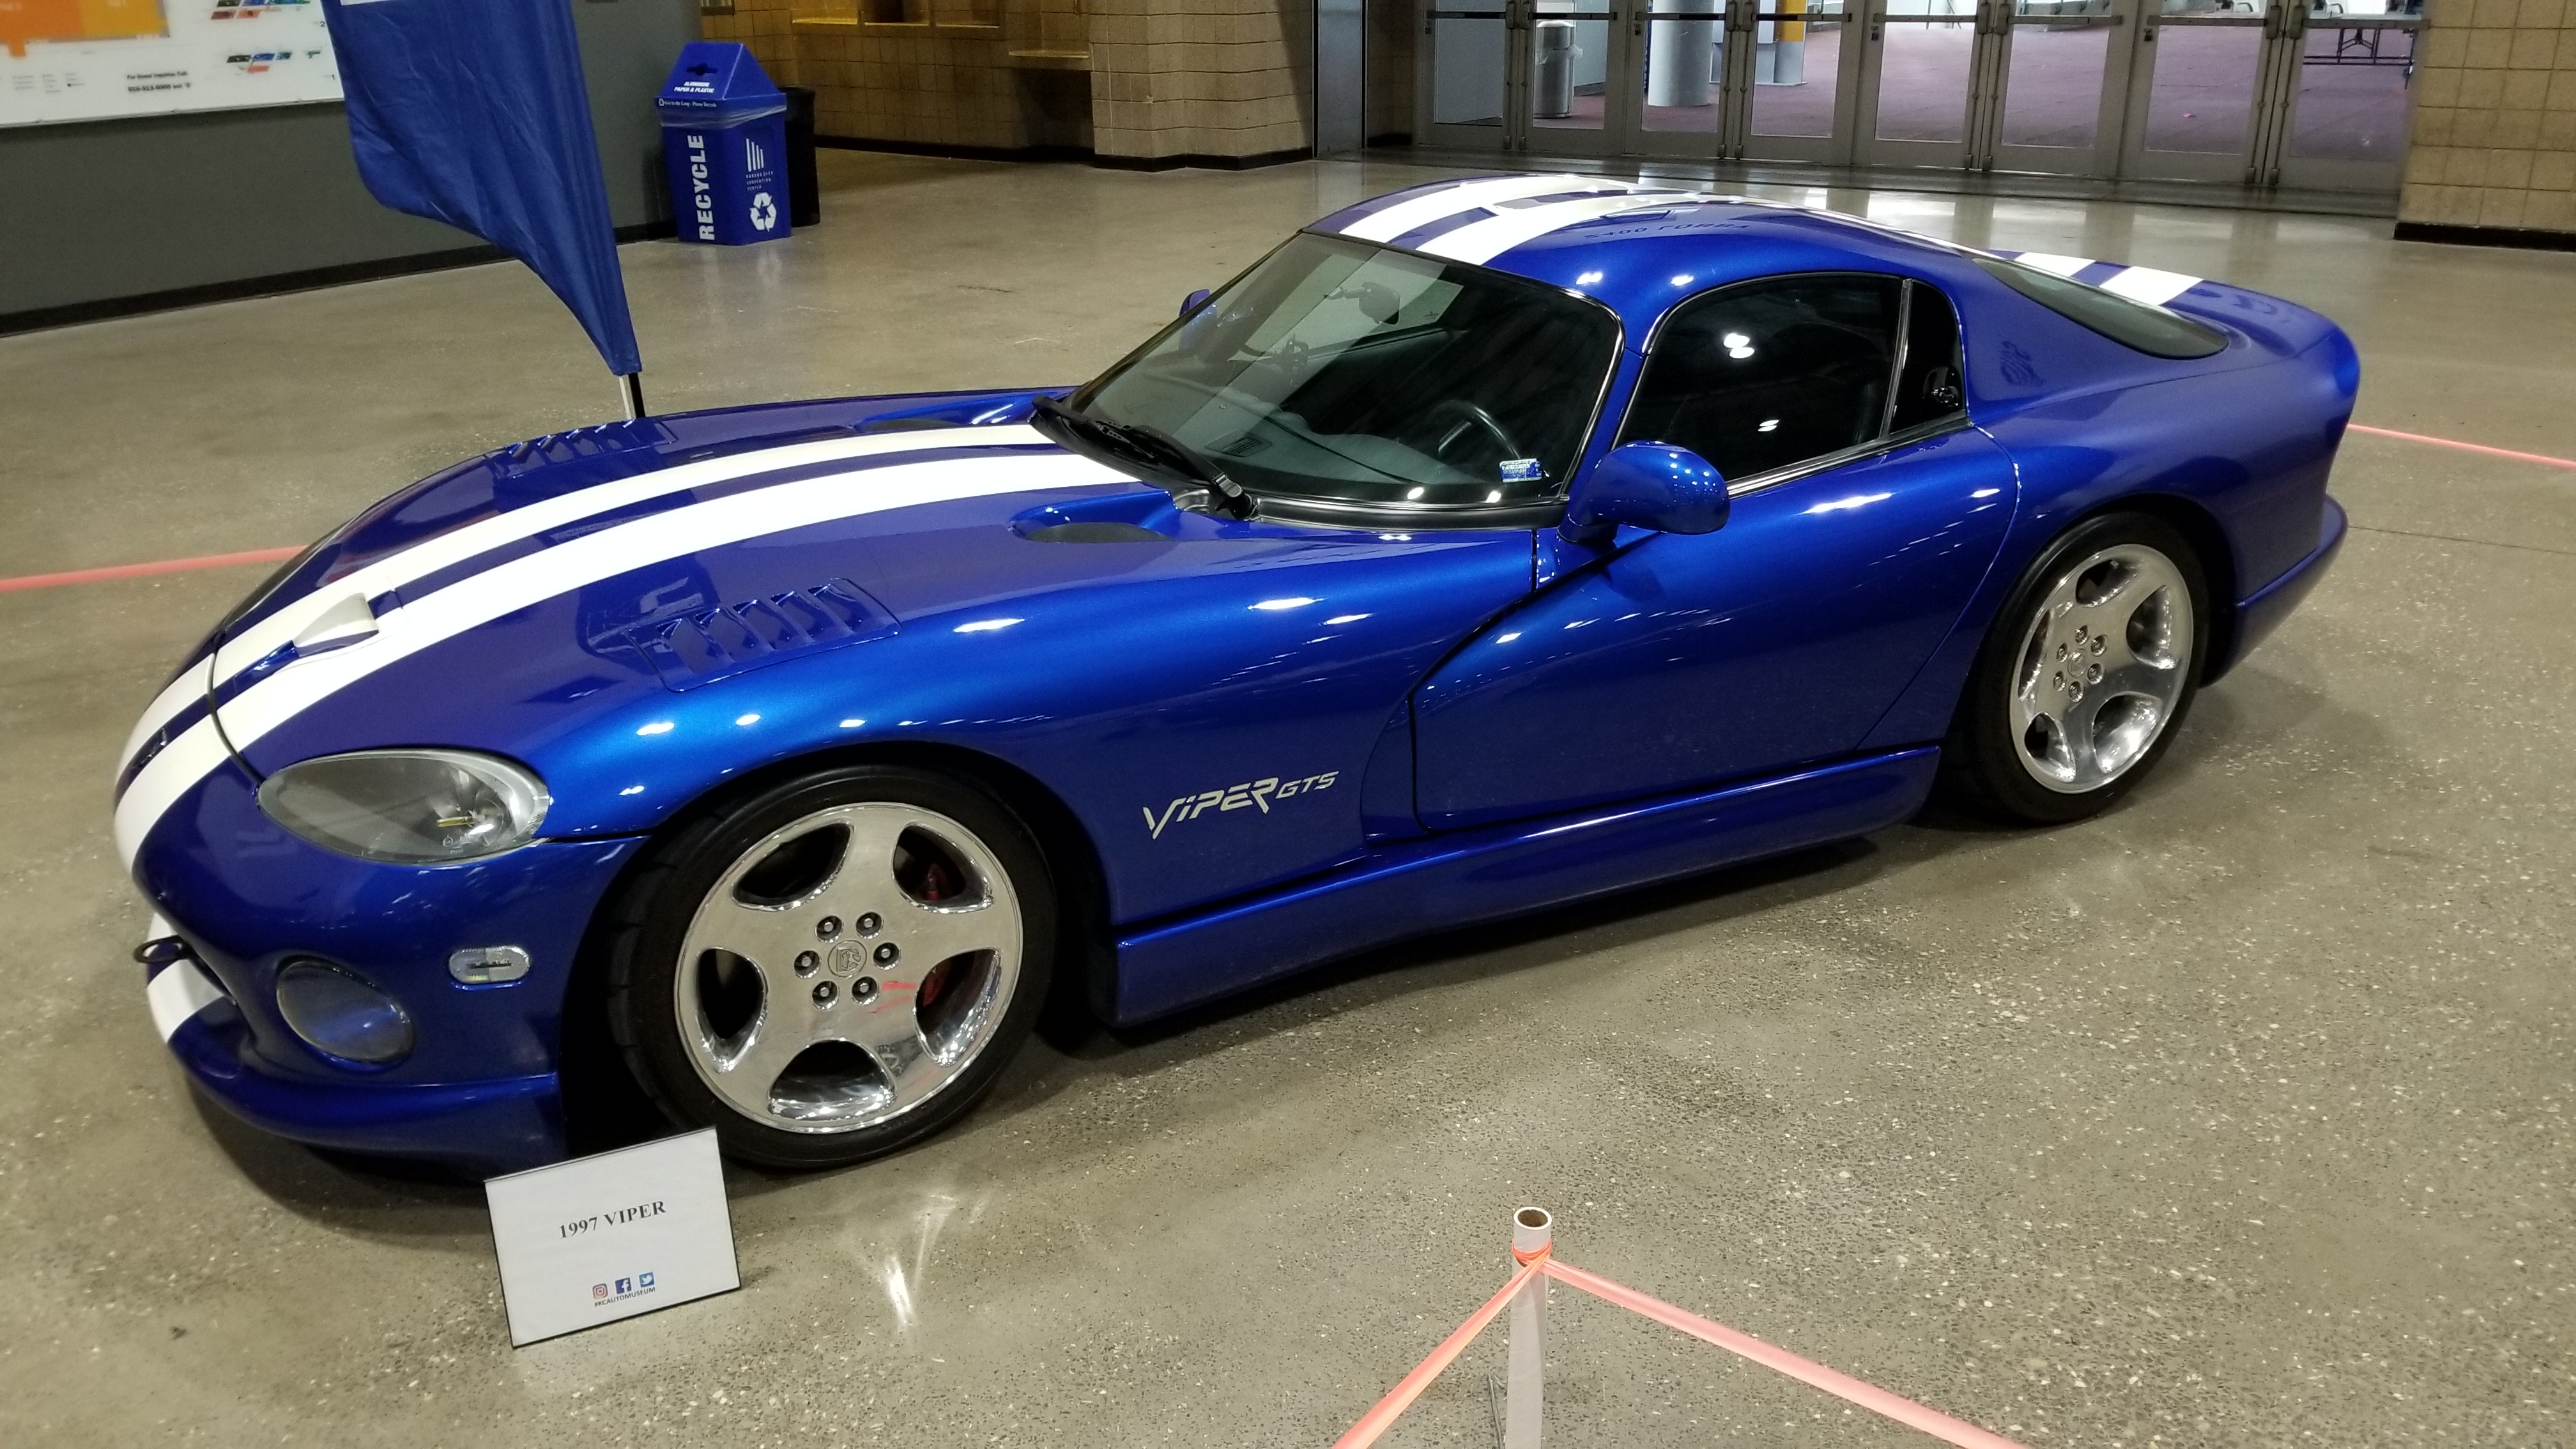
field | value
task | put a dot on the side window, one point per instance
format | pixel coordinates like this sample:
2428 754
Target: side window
1772 373
1928 388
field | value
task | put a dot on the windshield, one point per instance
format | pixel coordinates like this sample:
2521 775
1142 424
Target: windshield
1341 373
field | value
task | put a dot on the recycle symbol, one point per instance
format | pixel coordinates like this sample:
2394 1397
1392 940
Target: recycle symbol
764 212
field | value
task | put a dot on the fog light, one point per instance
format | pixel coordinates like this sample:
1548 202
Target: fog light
342 1016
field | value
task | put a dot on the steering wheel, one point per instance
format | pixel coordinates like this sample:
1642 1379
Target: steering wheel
1471 414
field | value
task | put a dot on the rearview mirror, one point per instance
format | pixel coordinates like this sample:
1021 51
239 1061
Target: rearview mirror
1191 302
1646 485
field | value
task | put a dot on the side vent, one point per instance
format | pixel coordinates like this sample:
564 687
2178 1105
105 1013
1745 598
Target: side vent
705 645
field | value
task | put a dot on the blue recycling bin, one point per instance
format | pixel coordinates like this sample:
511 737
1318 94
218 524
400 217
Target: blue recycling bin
724 139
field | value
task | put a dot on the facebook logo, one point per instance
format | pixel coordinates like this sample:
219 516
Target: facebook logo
625 1285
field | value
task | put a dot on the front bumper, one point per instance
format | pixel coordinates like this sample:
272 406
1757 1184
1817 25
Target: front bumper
484 1128
479 1088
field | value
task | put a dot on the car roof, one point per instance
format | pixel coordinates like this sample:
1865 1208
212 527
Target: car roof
1638 246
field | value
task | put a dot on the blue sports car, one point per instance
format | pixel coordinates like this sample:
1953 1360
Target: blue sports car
1488 545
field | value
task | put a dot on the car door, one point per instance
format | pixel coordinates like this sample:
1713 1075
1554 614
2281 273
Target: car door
1866 510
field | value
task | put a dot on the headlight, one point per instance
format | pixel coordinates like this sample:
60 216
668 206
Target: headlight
418 807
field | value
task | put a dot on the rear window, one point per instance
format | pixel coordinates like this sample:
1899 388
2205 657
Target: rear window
2151 330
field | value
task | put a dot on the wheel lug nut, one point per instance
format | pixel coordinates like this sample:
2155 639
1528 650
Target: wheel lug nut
863 988
2093 675
2097 643
887 953
807 963
2061 651
828 927
824 991
869 925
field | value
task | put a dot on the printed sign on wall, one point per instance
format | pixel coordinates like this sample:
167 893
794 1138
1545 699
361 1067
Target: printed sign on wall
87 60
606 1237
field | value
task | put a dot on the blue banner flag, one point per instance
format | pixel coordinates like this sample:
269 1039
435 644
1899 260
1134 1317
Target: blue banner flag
473 112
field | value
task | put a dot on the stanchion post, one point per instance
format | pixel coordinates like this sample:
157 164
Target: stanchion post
1525 1379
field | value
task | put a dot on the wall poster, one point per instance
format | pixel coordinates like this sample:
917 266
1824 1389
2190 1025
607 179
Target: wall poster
87 60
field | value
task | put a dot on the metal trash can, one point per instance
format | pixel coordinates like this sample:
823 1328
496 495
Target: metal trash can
724 146
1552 89
804 188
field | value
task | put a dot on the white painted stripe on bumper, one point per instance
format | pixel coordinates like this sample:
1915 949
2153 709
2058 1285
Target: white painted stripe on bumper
178 992
484 535
567 566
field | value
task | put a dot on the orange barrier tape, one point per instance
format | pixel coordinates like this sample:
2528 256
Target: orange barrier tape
2543 458
145 570
1780 1360
1744 1345
1377 1420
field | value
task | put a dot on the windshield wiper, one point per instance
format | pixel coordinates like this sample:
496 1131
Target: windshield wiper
1155 448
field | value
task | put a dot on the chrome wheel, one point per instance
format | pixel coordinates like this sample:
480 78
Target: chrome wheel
848 967
2104 661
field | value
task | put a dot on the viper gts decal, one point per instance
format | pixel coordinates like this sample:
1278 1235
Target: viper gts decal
1251 793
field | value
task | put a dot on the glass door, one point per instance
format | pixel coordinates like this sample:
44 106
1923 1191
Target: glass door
1682 98
1918 82
1793 80
2350 94
1576 48
2059 86
1527 75
1464 74
2194 81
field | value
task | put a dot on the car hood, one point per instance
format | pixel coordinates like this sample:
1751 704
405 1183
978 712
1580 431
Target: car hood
554 610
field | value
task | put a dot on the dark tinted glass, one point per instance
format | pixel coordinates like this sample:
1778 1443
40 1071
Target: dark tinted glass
2151 330
1771 373
1928 389
1345 372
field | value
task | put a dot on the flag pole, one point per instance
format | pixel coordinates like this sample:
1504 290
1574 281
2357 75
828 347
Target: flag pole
630 387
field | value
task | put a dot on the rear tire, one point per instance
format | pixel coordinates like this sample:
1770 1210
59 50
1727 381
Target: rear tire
835 967
2086 675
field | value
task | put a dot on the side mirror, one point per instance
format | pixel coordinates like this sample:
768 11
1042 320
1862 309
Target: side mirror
1647 485
1192 302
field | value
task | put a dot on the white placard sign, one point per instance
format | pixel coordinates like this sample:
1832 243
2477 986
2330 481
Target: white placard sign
86 60
606 1237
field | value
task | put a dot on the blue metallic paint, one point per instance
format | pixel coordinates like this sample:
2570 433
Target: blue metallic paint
486 1126
1777 640
1507 870
1653 486
248 895
1508 719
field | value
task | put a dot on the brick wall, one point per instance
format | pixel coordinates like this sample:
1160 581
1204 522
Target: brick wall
1222 78
2495 117
1136 80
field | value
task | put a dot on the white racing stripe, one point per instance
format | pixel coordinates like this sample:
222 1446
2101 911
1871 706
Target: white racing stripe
522 582
2146 284
178 992
1482 241
483 535
2138 284
1466 196
2052 262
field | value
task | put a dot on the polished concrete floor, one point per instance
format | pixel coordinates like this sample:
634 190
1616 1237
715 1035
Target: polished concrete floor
2244 1114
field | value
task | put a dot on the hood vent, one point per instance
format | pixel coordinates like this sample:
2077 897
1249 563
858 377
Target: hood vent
704 645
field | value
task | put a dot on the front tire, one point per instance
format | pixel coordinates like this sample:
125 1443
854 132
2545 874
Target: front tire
834 968
2085 676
